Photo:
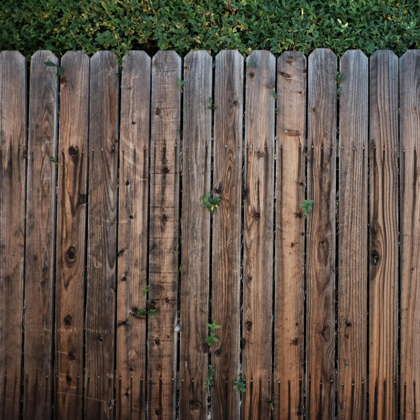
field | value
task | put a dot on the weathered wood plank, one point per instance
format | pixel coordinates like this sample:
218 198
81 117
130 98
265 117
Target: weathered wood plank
102 239
132 235
40 237
258 242
195 227
13 125
226 267
383 234
164 234
409 228
352 236
322 127
290 237
71 235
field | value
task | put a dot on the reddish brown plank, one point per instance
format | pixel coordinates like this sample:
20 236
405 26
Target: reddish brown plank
102 236
195 250
290 237
352 237
409 72
13 110
132 235
40 236
383 235
226 267
258 242
71 235
322 127
164 234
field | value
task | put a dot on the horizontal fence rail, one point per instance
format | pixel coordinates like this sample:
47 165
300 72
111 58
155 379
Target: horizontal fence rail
209 237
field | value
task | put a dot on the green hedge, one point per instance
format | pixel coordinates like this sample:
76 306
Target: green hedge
185 25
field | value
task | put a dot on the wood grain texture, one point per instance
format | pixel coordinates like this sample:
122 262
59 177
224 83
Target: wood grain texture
71 235
102 236
322 130
383 235
290 237
164 234
409 76
226 267
132 235
40 237
13 125
352 236
258 242
195 227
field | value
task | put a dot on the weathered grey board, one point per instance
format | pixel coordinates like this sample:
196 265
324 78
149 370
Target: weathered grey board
226 269
383 235
132 236
13 125
409 230
258 234
352 237
102 237
164 234
289 321
40 237
195 228
71 235
322 130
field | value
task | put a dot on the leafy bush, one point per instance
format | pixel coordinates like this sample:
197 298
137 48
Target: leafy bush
185 25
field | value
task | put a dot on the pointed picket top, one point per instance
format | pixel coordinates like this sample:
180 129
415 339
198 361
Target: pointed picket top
172 61
136 55
384 53
409 55
234 53
74 56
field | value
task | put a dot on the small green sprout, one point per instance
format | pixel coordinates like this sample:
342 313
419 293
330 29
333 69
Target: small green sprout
146 290
251 64
210 378
306 206
212 106
146 312
53 160
59 68
210 203
211 338
274 93
240 384
180 84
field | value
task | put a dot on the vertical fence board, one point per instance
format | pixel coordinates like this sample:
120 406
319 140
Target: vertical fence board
352 237
409 228
13 110
258 245
195 228
226 267
71 235
164 234
322 127
132 235
383 222
102 236
40 233
290 237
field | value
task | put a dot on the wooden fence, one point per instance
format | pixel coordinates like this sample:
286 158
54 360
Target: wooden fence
102 177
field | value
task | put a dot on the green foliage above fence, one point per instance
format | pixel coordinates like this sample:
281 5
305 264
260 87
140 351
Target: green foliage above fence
184 25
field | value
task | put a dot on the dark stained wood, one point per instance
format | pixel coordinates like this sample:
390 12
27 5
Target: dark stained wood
290 237
352 237
383 235
13 125
226 268
322 127
258 235
195 251
71 235
164 234
40 237
102 236
409 69
132 235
